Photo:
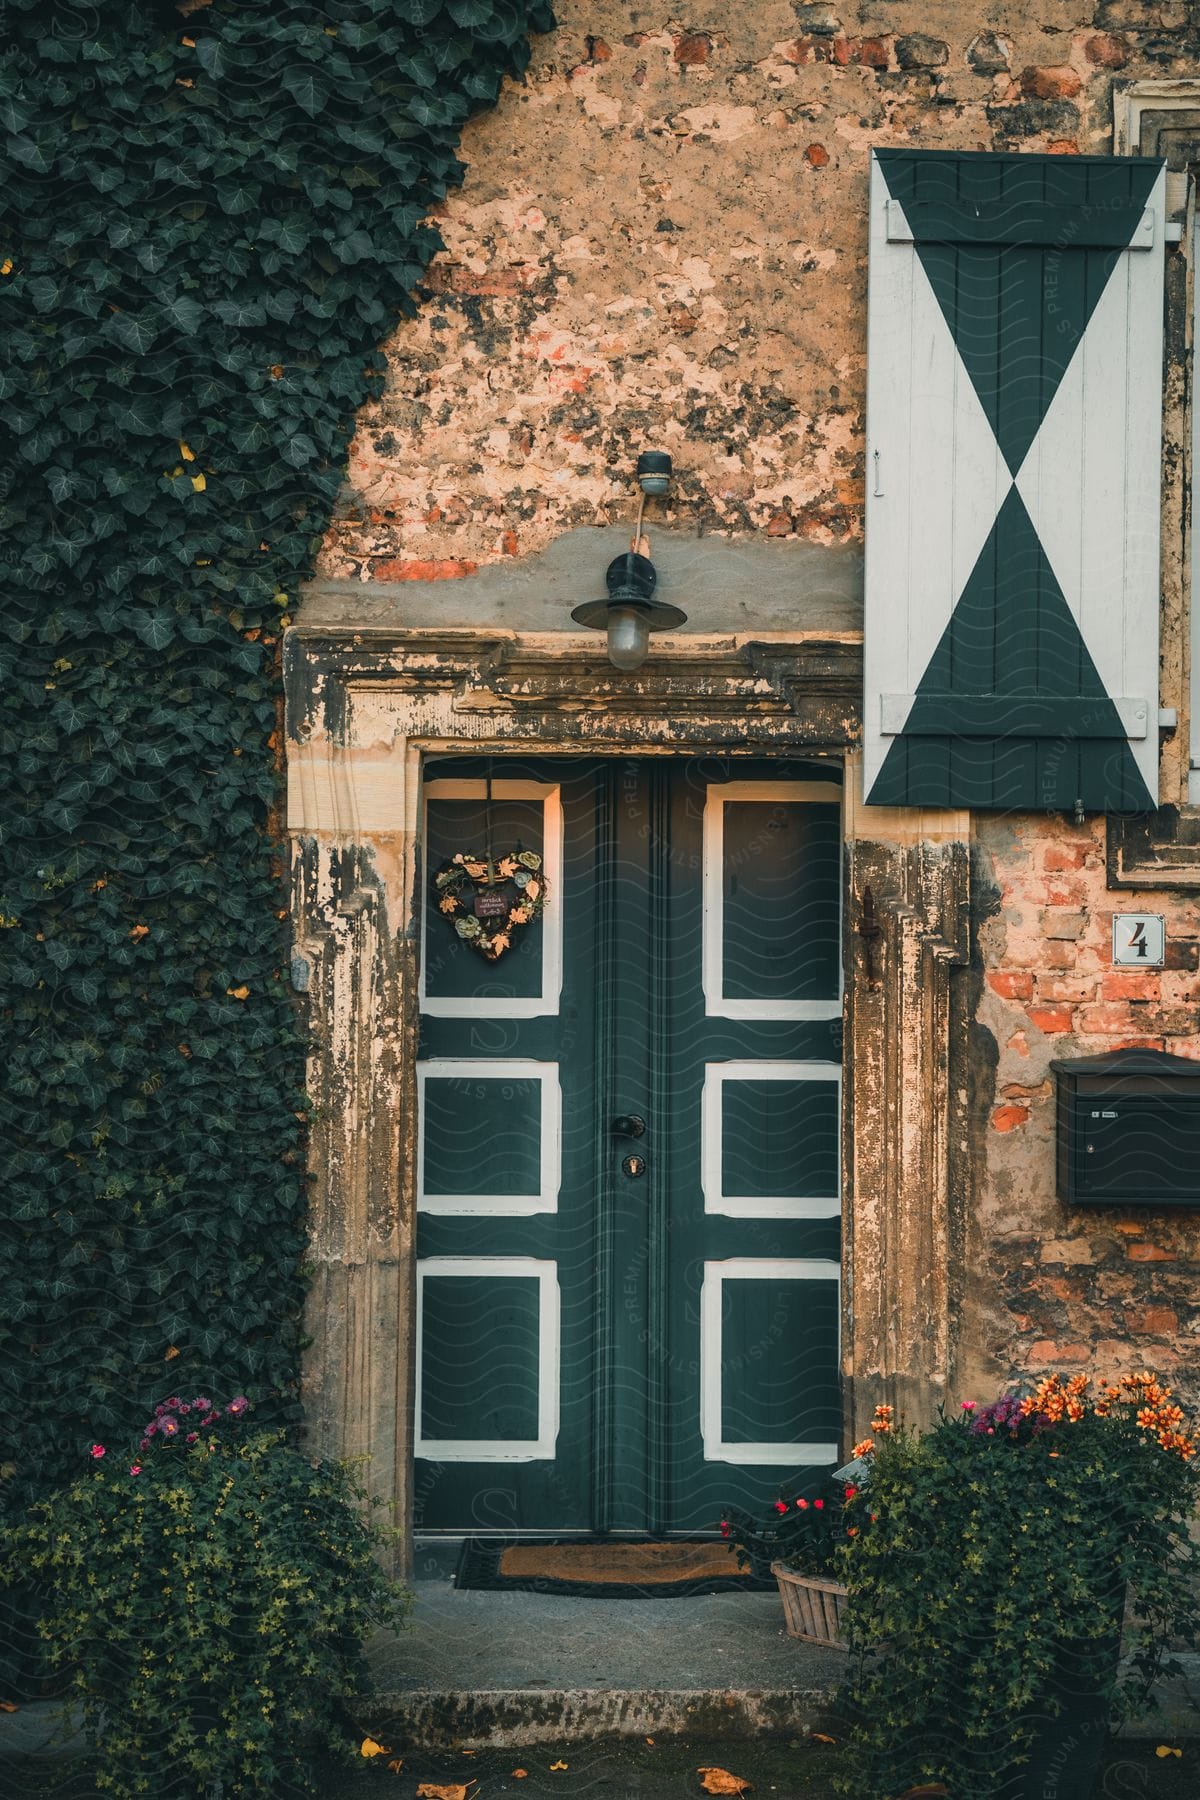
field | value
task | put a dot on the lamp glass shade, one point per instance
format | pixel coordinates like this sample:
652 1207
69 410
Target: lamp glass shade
628 637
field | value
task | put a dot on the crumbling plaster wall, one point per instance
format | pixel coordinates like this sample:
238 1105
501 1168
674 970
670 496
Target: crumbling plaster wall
661 241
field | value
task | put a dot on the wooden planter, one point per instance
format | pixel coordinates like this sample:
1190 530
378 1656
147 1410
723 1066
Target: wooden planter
812 1606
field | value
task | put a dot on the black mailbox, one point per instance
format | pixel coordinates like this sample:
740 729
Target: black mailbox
1129 1129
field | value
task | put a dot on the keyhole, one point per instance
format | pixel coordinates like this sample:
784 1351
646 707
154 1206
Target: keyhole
633 1166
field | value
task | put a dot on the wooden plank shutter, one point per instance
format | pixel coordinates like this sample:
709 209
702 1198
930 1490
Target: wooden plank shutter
1013 469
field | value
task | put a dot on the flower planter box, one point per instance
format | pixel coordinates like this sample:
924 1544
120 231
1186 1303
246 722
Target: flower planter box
812 1606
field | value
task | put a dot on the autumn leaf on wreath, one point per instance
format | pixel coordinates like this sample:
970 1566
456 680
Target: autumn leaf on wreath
371 1748
429 1790
1167 1750
720 1781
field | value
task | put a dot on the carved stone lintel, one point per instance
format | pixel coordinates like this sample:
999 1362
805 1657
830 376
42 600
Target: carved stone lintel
1154 850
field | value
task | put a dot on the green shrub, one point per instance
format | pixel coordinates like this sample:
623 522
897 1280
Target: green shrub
213 216
207 1599
992 1558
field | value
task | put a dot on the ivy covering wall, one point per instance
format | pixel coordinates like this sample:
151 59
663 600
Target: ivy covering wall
211 218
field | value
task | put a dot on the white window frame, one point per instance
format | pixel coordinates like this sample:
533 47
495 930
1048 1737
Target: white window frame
749 1206
716 1005
496 1206
485 1006
748 1268
498 1450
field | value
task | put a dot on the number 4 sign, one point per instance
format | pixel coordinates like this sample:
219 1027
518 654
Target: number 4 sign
1139 940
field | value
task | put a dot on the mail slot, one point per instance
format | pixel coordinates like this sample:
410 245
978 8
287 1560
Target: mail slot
1129 1129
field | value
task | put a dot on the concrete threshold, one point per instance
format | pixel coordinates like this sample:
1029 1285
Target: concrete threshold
434 1719
508 1667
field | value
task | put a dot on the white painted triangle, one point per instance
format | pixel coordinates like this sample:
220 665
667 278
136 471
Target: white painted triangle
936 486
1090 483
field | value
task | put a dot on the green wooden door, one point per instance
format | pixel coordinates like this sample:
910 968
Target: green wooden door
628 1330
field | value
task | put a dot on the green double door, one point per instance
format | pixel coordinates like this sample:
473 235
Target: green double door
629 1148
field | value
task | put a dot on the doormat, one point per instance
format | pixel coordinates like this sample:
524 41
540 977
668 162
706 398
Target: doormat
604 1568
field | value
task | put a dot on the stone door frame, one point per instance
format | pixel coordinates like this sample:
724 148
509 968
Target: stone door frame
365 707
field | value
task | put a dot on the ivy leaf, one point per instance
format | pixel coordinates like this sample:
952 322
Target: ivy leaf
157 630
211 57
302 83
185 313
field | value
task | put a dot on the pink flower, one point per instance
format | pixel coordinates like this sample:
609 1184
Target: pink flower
967 1405
724 1528
781 1506
819 1504
803 1505
135 1468
98 1451
191 1437
850 1492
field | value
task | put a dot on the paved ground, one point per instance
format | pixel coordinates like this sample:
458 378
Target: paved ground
475 1639
789 1769
691 1674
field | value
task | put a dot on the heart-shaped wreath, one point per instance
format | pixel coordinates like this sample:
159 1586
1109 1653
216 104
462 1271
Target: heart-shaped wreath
487 902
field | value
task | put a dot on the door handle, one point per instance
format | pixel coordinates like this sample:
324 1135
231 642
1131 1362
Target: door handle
628 1125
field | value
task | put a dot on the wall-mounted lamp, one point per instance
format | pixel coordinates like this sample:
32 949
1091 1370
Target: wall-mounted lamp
630 612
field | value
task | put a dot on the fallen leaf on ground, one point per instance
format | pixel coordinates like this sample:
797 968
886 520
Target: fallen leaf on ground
649 1740
819 1737
395 1765
11 1706
429 1790
370 1748
720 1781
520 1774
560 1765
172 1352
1167 1750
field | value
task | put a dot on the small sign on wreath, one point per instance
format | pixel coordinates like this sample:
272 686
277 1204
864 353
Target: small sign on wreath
489 901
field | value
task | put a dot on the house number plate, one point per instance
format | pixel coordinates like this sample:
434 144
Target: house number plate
1139 940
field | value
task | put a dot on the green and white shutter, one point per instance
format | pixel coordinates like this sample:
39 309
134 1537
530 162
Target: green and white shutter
1013 473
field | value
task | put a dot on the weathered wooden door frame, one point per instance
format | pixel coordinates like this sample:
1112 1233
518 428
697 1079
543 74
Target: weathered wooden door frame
366 706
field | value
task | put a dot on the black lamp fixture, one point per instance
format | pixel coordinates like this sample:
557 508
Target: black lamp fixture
630 612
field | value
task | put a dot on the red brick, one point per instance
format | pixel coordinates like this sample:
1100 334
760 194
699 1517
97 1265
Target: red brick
1062 147
1060 83
817 155
693 49
800 50
873 53
1046 1350
509 543
1130 984
1061 857
1106 51
1050 1018
1070 988
1108 1017
780 524
1148 1253
1009 1118
1059 955
445 569
1011 984
1152 1321
597 50
1182 953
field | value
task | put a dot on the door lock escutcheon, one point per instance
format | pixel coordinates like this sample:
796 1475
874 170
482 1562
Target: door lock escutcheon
633 1166
628 1125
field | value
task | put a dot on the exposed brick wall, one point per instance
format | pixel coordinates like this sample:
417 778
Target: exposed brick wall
1050 1284
661 240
